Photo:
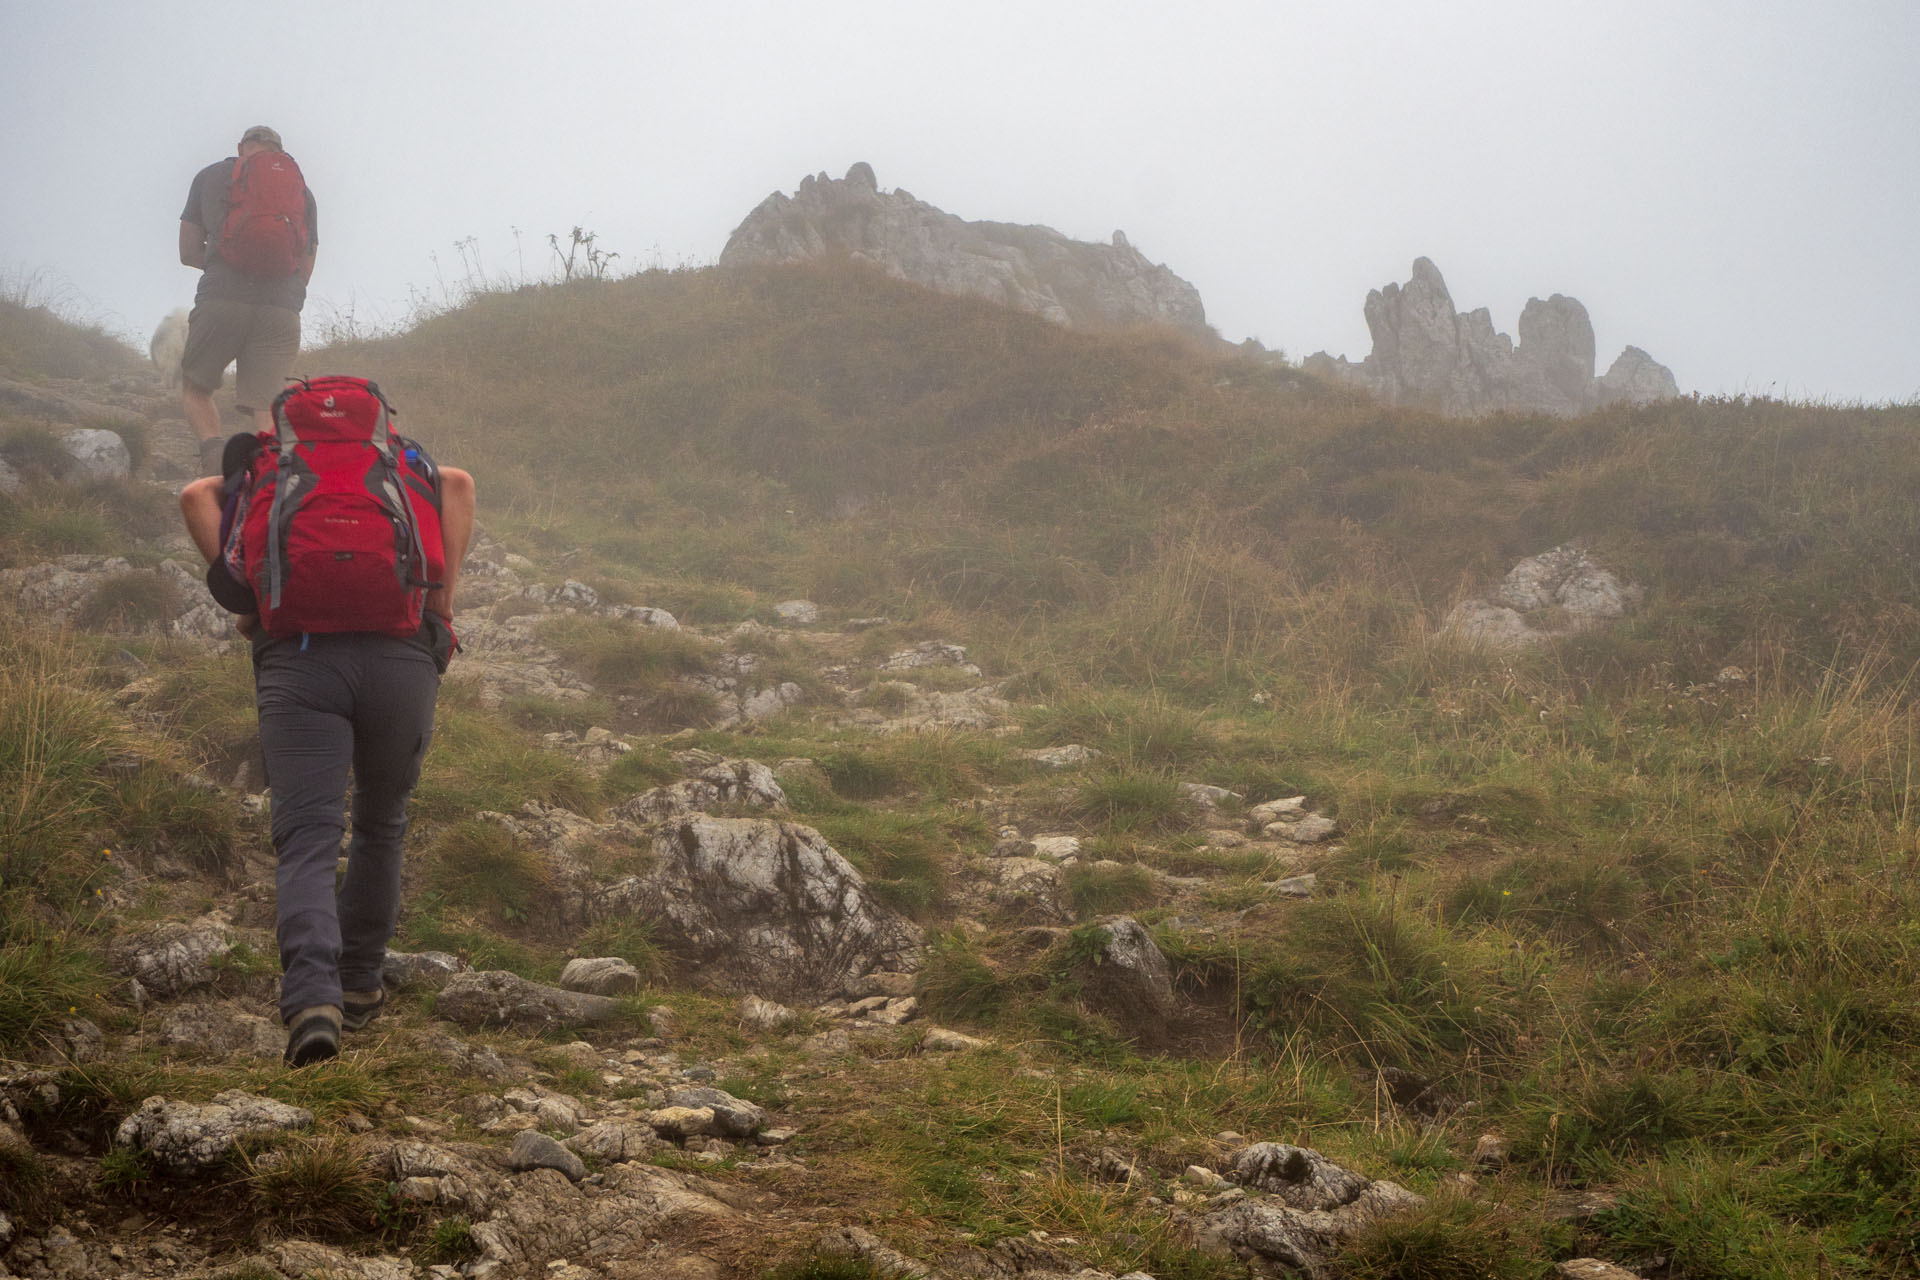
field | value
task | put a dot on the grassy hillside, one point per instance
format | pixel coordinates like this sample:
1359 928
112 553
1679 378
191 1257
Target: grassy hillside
1163 514
37 343
1649 919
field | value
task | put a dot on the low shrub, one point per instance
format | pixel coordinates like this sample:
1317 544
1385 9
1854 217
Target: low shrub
1096 890
1446 1239
482 866
133 601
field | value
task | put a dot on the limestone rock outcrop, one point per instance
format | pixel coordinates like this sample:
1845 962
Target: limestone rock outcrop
1561 592
1031 268
1427 354
762 906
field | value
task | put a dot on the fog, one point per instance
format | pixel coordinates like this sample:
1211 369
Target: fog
1731 186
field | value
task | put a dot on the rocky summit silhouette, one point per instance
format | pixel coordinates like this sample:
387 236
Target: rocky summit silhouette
1427 354
1032 268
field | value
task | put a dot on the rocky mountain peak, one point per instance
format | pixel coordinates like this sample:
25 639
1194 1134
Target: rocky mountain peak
1031 268
1427 353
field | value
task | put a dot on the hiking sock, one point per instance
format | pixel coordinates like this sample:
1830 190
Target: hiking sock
361 1007
313 1035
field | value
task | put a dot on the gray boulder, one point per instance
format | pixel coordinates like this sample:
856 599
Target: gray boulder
601 976
101 454
1131 979
730 782
732 1117
1029 268
535 1150
1306 1204
1560 592
184 1136
616 1140
214 1031
500 999
172 957
762 907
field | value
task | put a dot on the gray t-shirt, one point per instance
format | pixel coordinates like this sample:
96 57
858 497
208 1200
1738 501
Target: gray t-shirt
207 209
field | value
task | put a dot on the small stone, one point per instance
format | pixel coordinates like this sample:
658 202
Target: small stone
663 1021
681 1122
417 1190
601 976
1311 829
535 1150
941 1040
881 983
764 1015
732 1117
1300 886
1275 810
1071 756
1056 847
798 613
775 1137
559 1114
896 1012
1490 1152
418 969
1591 1269
1202 796
1198 1175
581 1055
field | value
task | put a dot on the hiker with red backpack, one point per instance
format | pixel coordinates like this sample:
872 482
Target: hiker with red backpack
250 227
338 543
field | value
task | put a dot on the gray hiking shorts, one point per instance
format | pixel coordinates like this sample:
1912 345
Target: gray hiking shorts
262 341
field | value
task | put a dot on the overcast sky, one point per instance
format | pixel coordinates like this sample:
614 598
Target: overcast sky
1733 185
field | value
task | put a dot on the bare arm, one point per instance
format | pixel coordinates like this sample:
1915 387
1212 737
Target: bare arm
200 506
193 245
456 530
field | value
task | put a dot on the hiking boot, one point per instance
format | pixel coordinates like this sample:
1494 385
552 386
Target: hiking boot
361 1007
211 452
313 1035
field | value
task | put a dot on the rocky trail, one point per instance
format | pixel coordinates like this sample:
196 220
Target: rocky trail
744 1104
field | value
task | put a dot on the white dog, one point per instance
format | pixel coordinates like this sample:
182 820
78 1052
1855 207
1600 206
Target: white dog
168 345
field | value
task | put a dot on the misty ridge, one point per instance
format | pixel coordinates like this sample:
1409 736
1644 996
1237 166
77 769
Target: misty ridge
956 770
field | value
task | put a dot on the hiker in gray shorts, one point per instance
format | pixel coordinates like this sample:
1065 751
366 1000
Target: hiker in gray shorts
329 703
249 320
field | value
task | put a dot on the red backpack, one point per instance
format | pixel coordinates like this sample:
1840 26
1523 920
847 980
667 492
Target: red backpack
337 525
266 231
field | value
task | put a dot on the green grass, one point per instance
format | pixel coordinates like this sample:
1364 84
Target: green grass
624 659
1449 1239
1132 800
483 867
478 760
323 1184
903 856
1096 890
130 602
448 1242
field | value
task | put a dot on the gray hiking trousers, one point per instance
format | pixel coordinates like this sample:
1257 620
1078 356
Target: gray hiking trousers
329 704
